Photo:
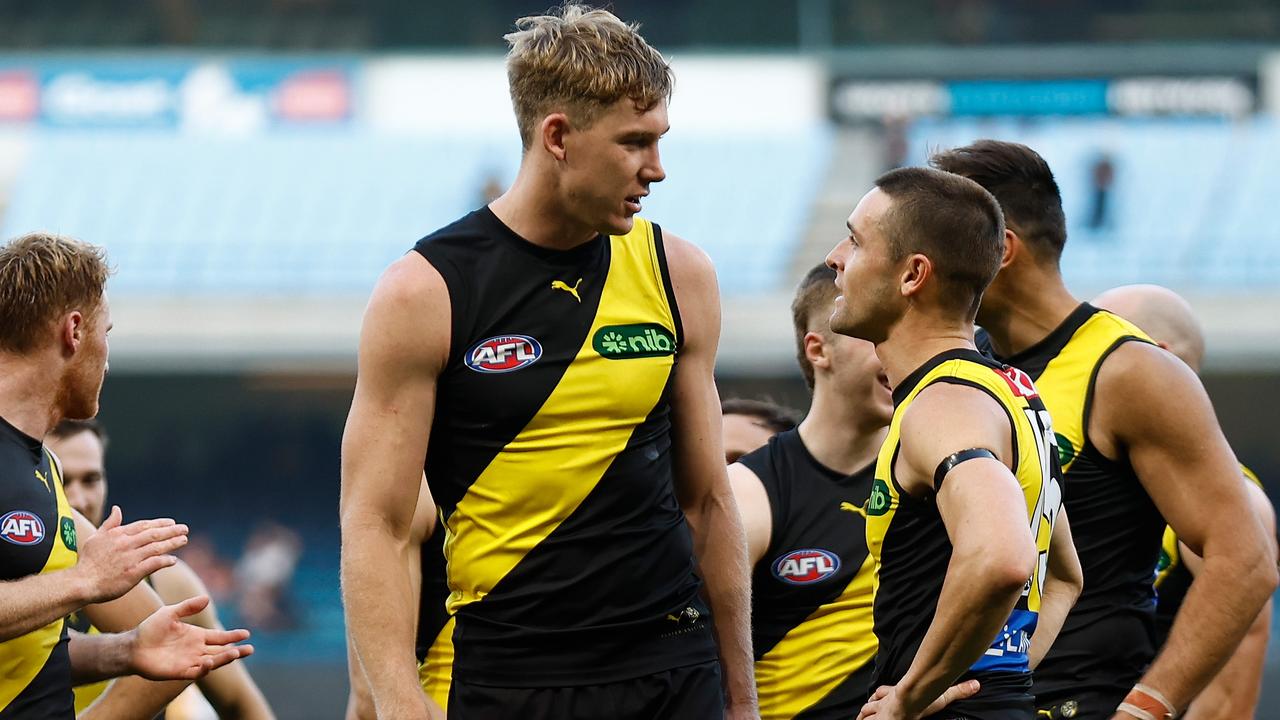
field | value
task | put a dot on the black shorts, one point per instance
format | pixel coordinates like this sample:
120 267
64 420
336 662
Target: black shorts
691 692
1079 706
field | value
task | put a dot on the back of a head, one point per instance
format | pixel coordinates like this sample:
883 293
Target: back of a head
777 418
1161 313
1023 184
811 311
951 220
43 276
580 61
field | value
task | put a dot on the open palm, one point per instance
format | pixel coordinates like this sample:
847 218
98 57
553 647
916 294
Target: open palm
167 648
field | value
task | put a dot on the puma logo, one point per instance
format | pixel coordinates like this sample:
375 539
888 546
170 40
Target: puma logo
850 507
40 476
562 285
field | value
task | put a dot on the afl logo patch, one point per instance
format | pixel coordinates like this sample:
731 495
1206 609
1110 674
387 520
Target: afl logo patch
806 567
504 353
22 528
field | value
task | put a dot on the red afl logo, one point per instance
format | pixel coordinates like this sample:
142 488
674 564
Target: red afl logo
503 353
805 567
1018 381
22 528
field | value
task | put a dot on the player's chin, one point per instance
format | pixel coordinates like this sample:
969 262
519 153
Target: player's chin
621 224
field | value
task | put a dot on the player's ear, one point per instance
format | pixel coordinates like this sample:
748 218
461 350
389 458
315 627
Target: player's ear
917 270
553 130
815 350
1012 247
71 330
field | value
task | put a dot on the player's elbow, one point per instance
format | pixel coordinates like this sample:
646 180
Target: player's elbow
1007 568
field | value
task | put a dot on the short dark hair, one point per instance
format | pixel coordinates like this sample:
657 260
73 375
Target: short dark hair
952 221
814 294
70 428
777 418
1024 186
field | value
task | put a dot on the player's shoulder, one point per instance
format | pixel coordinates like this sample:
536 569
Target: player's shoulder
685 259
1139 368
466 234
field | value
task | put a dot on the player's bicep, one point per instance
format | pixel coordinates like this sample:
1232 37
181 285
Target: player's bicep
695 405
945 419
1161 416
403 345
753 508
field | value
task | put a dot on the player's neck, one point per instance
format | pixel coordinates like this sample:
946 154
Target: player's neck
841 435
1028 312
917 338
533 211
28 396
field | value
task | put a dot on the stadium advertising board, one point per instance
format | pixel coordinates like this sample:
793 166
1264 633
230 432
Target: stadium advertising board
857 100
240 95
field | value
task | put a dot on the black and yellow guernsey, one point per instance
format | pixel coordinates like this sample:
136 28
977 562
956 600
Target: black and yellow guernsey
435 624
812 589
1109 636
1173 579
569 559
907 538
37 535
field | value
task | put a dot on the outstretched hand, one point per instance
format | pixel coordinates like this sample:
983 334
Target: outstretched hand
166 648
117 557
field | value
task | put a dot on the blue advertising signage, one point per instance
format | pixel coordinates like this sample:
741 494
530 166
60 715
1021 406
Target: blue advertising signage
234 95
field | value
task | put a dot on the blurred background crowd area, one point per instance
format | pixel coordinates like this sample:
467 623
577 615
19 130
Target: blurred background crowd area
251 167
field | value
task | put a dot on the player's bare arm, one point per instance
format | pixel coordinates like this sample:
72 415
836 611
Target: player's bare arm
111 561
753 509
404 344
985 515
360 702
1234 691
1063 582
230 690
1157 412
702 481
144 639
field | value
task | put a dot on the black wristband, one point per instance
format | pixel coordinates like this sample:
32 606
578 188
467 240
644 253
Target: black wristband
954 459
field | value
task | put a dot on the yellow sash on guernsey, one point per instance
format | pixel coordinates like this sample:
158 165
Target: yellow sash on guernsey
806 665
435 673
541 477
22 658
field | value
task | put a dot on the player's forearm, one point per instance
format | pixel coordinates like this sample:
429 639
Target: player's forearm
724 567
133 698
1224 598
99 657
233 694
977 597
34 601
380 610
1234 691
1057 600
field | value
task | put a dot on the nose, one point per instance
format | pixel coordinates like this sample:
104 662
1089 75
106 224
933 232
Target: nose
833 259
653 171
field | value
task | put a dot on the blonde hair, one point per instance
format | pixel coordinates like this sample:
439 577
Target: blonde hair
43 276
580 60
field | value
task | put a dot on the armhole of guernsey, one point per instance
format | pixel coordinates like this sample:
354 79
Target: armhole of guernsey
1093 383
1005 404
664 278
459 307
